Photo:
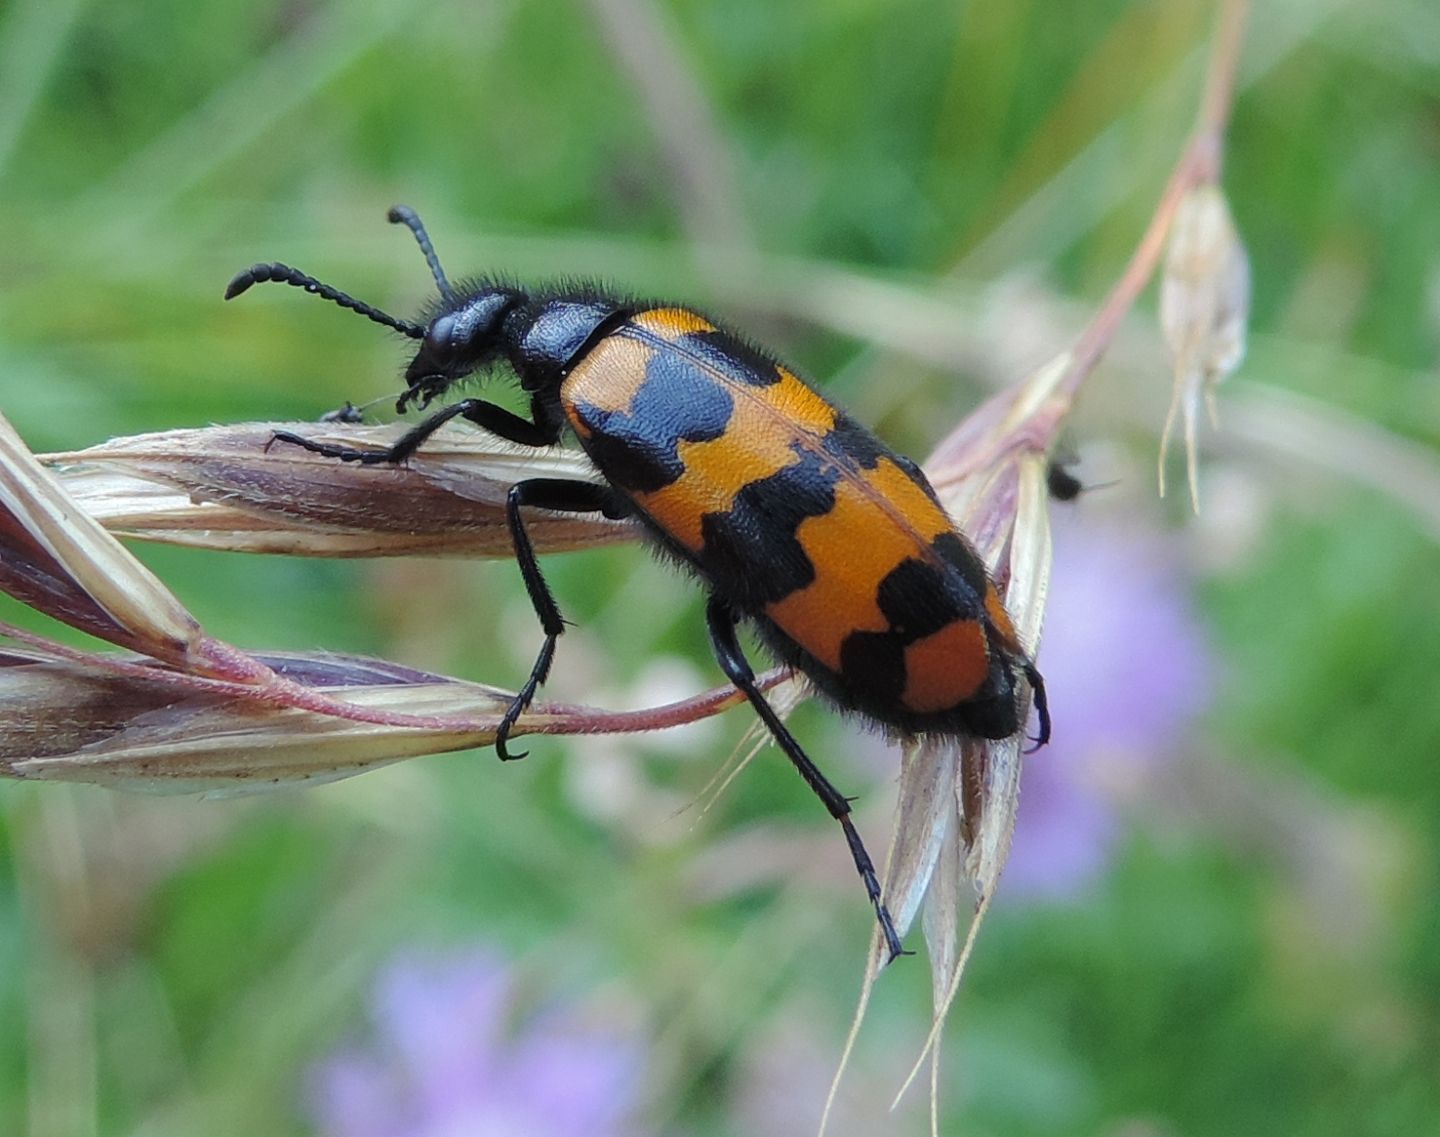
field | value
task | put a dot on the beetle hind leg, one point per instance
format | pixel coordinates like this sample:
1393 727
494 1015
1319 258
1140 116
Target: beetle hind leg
721 619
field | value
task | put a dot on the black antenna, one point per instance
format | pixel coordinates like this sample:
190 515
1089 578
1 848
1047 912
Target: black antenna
284 274
404 215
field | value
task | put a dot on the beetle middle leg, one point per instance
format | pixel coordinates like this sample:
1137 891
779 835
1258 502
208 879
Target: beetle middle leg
721 618
564 496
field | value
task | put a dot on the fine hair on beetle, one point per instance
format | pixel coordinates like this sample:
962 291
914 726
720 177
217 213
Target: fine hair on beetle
795 518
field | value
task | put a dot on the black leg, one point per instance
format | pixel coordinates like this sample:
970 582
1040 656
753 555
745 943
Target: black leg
720 618
564 496
1042 705
497 420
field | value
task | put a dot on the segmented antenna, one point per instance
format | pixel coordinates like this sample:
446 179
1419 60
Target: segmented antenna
284 274
404 215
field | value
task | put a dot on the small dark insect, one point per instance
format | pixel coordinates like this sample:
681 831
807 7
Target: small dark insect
349 413
1063 485
795 518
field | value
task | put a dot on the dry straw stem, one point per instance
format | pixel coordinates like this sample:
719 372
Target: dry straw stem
131 723
128 724
227 487
186 712
63 558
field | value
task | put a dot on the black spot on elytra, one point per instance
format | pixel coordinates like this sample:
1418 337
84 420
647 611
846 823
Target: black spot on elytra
637 450
732 357
957 553
874 662
751 550
915 598
917 475
853 444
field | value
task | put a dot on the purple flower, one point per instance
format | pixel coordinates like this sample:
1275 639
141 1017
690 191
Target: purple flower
1127 668
450 1058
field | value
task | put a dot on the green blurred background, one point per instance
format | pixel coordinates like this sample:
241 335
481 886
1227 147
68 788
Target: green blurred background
915 201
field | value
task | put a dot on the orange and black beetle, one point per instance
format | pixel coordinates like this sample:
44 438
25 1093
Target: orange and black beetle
796 518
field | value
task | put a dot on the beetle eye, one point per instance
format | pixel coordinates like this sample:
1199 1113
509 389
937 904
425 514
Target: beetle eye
442 333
